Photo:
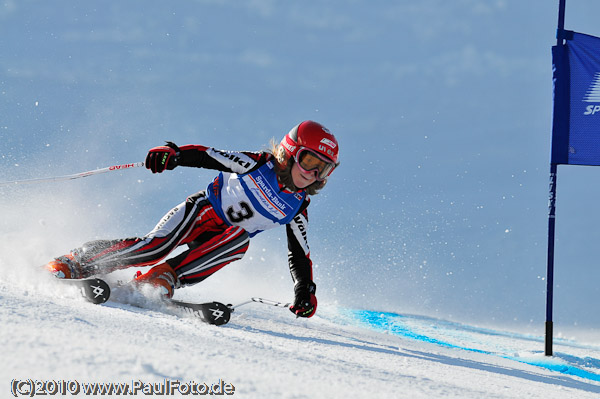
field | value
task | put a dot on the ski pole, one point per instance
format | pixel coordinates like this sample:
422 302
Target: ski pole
263 301
77 175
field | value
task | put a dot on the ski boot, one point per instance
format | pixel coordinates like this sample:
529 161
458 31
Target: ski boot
66 267
161 276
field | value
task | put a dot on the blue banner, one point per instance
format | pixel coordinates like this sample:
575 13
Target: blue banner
576 121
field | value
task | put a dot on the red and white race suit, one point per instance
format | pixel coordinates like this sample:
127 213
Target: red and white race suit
215 224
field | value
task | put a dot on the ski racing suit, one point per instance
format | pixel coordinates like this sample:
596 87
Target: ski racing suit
216 224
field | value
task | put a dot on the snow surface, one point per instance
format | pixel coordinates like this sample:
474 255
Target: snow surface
50 333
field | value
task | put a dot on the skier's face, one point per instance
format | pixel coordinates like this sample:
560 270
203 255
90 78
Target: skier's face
303 179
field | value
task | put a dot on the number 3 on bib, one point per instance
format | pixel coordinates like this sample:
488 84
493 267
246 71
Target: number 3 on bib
244 213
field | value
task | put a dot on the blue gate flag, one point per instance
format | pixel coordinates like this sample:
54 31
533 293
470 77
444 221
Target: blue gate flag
576 120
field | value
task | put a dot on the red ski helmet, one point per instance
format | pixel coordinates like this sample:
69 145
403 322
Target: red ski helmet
312 136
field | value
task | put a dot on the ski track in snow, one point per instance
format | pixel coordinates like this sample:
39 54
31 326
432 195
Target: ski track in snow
49 332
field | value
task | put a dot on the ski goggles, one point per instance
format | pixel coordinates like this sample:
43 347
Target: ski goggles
310 161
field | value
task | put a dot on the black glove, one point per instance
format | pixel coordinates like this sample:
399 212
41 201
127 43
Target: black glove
163 157
305 302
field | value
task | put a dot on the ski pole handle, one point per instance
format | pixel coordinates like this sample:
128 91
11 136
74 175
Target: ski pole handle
77 175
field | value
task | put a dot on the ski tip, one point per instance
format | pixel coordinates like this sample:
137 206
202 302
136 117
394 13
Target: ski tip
95 290
218 314
215 313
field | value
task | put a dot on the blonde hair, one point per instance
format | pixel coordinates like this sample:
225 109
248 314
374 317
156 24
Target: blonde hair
283 168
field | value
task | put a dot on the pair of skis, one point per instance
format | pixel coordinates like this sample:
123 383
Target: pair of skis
97 291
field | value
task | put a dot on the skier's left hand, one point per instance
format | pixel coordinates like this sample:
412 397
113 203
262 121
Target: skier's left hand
163 157
305 302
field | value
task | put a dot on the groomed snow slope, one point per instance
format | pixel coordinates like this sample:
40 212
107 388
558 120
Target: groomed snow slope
49 333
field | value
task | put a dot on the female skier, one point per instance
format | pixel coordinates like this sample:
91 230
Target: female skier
254 191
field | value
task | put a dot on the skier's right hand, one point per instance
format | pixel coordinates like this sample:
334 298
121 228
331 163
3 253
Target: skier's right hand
163 157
